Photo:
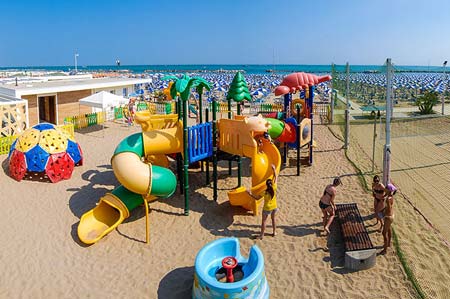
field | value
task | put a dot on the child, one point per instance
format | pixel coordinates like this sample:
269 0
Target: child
378 192
270 203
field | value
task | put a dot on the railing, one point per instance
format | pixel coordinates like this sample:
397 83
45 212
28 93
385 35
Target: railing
265 108
323 110
5 144
86 120
200 142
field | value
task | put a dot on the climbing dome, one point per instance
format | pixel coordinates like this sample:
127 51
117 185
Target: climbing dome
44 149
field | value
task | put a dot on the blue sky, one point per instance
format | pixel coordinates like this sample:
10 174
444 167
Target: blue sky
48 32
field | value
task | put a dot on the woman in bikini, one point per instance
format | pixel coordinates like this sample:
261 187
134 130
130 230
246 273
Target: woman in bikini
327 205
388 216
378 192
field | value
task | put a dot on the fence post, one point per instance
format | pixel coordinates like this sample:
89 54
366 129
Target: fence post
331 120
387 145
347 108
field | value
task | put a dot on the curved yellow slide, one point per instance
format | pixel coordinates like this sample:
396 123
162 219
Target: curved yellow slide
140 179
243 136
262 161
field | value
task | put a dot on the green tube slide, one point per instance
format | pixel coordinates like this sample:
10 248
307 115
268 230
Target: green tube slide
133 143
115 207
277 127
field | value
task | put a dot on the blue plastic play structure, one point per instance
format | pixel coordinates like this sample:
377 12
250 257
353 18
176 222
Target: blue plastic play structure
248 277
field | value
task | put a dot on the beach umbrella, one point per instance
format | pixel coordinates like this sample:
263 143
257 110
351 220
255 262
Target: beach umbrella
257 94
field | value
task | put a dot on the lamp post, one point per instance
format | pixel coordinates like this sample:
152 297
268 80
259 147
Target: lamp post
443 93
76 69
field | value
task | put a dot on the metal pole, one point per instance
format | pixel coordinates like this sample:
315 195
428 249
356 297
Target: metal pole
443 93
347 109
76 68
387 146
378 115
332 94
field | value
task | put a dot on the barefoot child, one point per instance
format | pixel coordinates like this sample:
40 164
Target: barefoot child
378 192
270 203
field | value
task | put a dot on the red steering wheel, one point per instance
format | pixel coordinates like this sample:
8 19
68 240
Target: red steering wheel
229 263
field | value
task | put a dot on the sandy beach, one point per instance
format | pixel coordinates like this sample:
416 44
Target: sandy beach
41 256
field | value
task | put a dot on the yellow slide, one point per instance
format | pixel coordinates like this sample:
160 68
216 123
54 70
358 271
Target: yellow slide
244 137
140 179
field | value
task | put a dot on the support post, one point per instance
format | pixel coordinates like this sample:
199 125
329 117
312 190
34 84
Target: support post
331 120
200 116
186 158
387 145
179 157
311 116
229 117
214 136
443 93
287 103
378 115
347 107
207 159
298 139
239 162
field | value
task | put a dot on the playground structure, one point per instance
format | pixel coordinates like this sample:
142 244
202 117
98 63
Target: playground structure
146 180
300 109
222 272
44 149
142 181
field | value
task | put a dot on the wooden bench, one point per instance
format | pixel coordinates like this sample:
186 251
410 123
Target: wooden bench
359 251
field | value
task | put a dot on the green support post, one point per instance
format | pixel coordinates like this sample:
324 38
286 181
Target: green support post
186 159
229 117
179 157
239 162
214 136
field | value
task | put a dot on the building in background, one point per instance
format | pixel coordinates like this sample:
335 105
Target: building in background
52 99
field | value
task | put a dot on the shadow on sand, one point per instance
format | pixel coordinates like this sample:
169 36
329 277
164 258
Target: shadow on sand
177 284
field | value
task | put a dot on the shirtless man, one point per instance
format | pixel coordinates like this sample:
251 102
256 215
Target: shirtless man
388 216
327 205
378 192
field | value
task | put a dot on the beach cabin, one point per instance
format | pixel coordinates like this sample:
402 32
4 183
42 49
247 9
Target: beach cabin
52 99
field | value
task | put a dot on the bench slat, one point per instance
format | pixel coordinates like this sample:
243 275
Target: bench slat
352 226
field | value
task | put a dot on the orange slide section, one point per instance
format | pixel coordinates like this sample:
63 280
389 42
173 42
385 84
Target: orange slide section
241 137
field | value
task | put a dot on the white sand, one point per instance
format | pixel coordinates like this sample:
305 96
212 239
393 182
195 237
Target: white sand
41 256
